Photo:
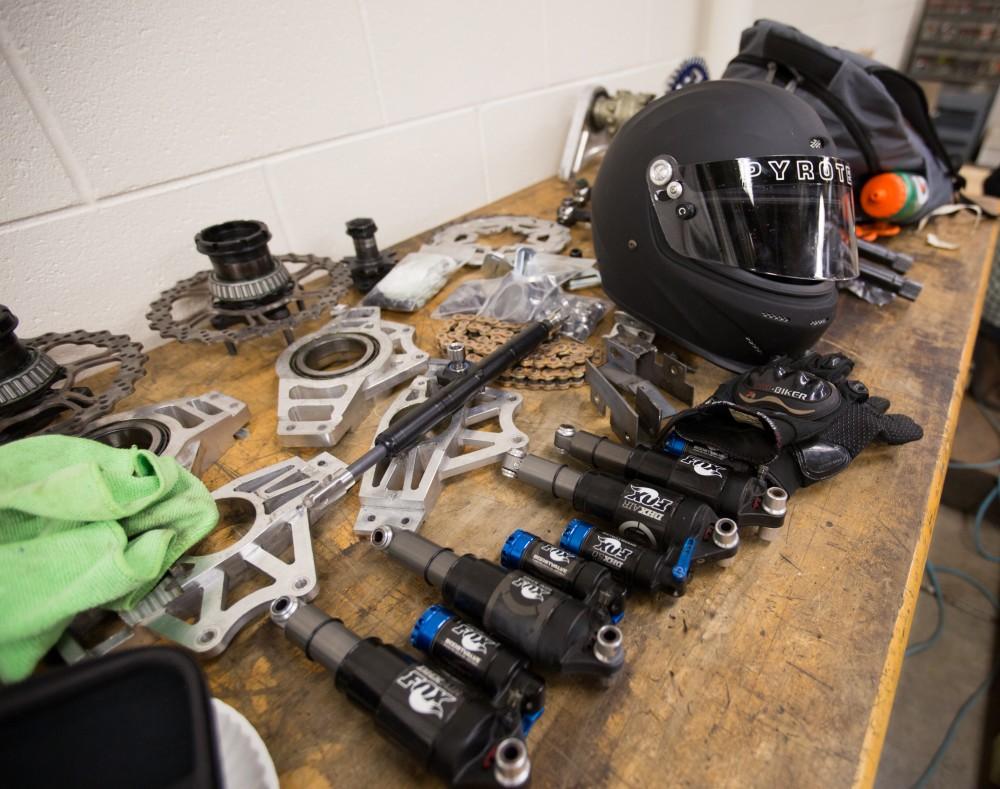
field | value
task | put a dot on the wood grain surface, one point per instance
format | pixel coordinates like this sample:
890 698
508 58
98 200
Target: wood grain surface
779 671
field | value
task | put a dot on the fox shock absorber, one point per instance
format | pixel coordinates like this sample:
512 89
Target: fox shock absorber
659 519
584 580
738 495
468 653
554 631
635 566
453 732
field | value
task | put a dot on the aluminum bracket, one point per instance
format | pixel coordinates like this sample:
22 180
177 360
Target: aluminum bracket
195 431
318 404
400 492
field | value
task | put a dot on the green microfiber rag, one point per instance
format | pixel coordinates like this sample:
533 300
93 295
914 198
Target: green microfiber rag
83 525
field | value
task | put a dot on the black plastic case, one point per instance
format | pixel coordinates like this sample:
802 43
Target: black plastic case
137 718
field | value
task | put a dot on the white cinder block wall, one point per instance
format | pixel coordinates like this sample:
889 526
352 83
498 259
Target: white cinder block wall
131 125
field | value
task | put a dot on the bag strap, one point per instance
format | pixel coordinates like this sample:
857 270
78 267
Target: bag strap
809 60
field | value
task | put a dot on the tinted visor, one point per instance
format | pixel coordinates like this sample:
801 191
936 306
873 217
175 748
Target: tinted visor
788 216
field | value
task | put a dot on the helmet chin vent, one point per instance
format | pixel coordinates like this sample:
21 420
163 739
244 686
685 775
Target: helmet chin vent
774 317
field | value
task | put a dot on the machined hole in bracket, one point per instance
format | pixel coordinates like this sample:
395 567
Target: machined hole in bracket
334 355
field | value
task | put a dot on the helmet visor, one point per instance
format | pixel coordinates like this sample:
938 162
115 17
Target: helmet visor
788 216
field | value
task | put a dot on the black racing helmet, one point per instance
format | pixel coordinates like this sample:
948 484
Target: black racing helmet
723 218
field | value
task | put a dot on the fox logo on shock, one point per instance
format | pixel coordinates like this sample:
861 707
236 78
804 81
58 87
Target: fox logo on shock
613 547
428 695
557 554
473 639
648 497
701 466
647 501
531 589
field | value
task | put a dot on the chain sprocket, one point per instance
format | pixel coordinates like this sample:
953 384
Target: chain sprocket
558 364
308 303
69 407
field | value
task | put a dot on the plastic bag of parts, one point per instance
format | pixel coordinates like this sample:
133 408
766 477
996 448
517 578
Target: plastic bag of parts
583 313
468 298
534 278
868 291
414 281
511 296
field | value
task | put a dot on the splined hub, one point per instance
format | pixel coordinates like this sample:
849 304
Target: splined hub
248 292
39 395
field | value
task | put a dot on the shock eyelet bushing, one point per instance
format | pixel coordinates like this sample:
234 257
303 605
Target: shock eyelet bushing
248 292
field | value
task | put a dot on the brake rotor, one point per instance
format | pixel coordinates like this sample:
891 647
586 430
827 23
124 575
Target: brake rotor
249 292
539 234
39 395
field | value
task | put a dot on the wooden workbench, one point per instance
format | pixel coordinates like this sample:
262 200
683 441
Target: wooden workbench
779 671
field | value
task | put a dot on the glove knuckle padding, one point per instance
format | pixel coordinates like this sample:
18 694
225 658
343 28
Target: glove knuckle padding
800 416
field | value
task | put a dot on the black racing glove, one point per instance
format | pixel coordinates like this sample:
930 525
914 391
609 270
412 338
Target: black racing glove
800 417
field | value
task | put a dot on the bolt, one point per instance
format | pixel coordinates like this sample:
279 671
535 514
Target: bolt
660 172
674 190
632 244
456 356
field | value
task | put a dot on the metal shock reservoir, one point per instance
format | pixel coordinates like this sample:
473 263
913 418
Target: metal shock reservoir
472 655
449 728
554 631
685 529
739 495
585 580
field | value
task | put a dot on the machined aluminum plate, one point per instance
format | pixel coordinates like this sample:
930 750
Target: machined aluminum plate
74 405
401 491
195 431
539 234
318 403
206 599
187 312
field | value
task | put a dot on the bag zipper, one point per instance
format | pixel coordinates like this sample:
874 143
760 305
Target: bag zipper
828 97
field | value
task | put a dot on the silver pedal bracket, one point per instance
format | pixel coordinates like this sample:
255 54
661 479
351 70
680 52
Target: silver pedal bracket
190 607
328 379
400 492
